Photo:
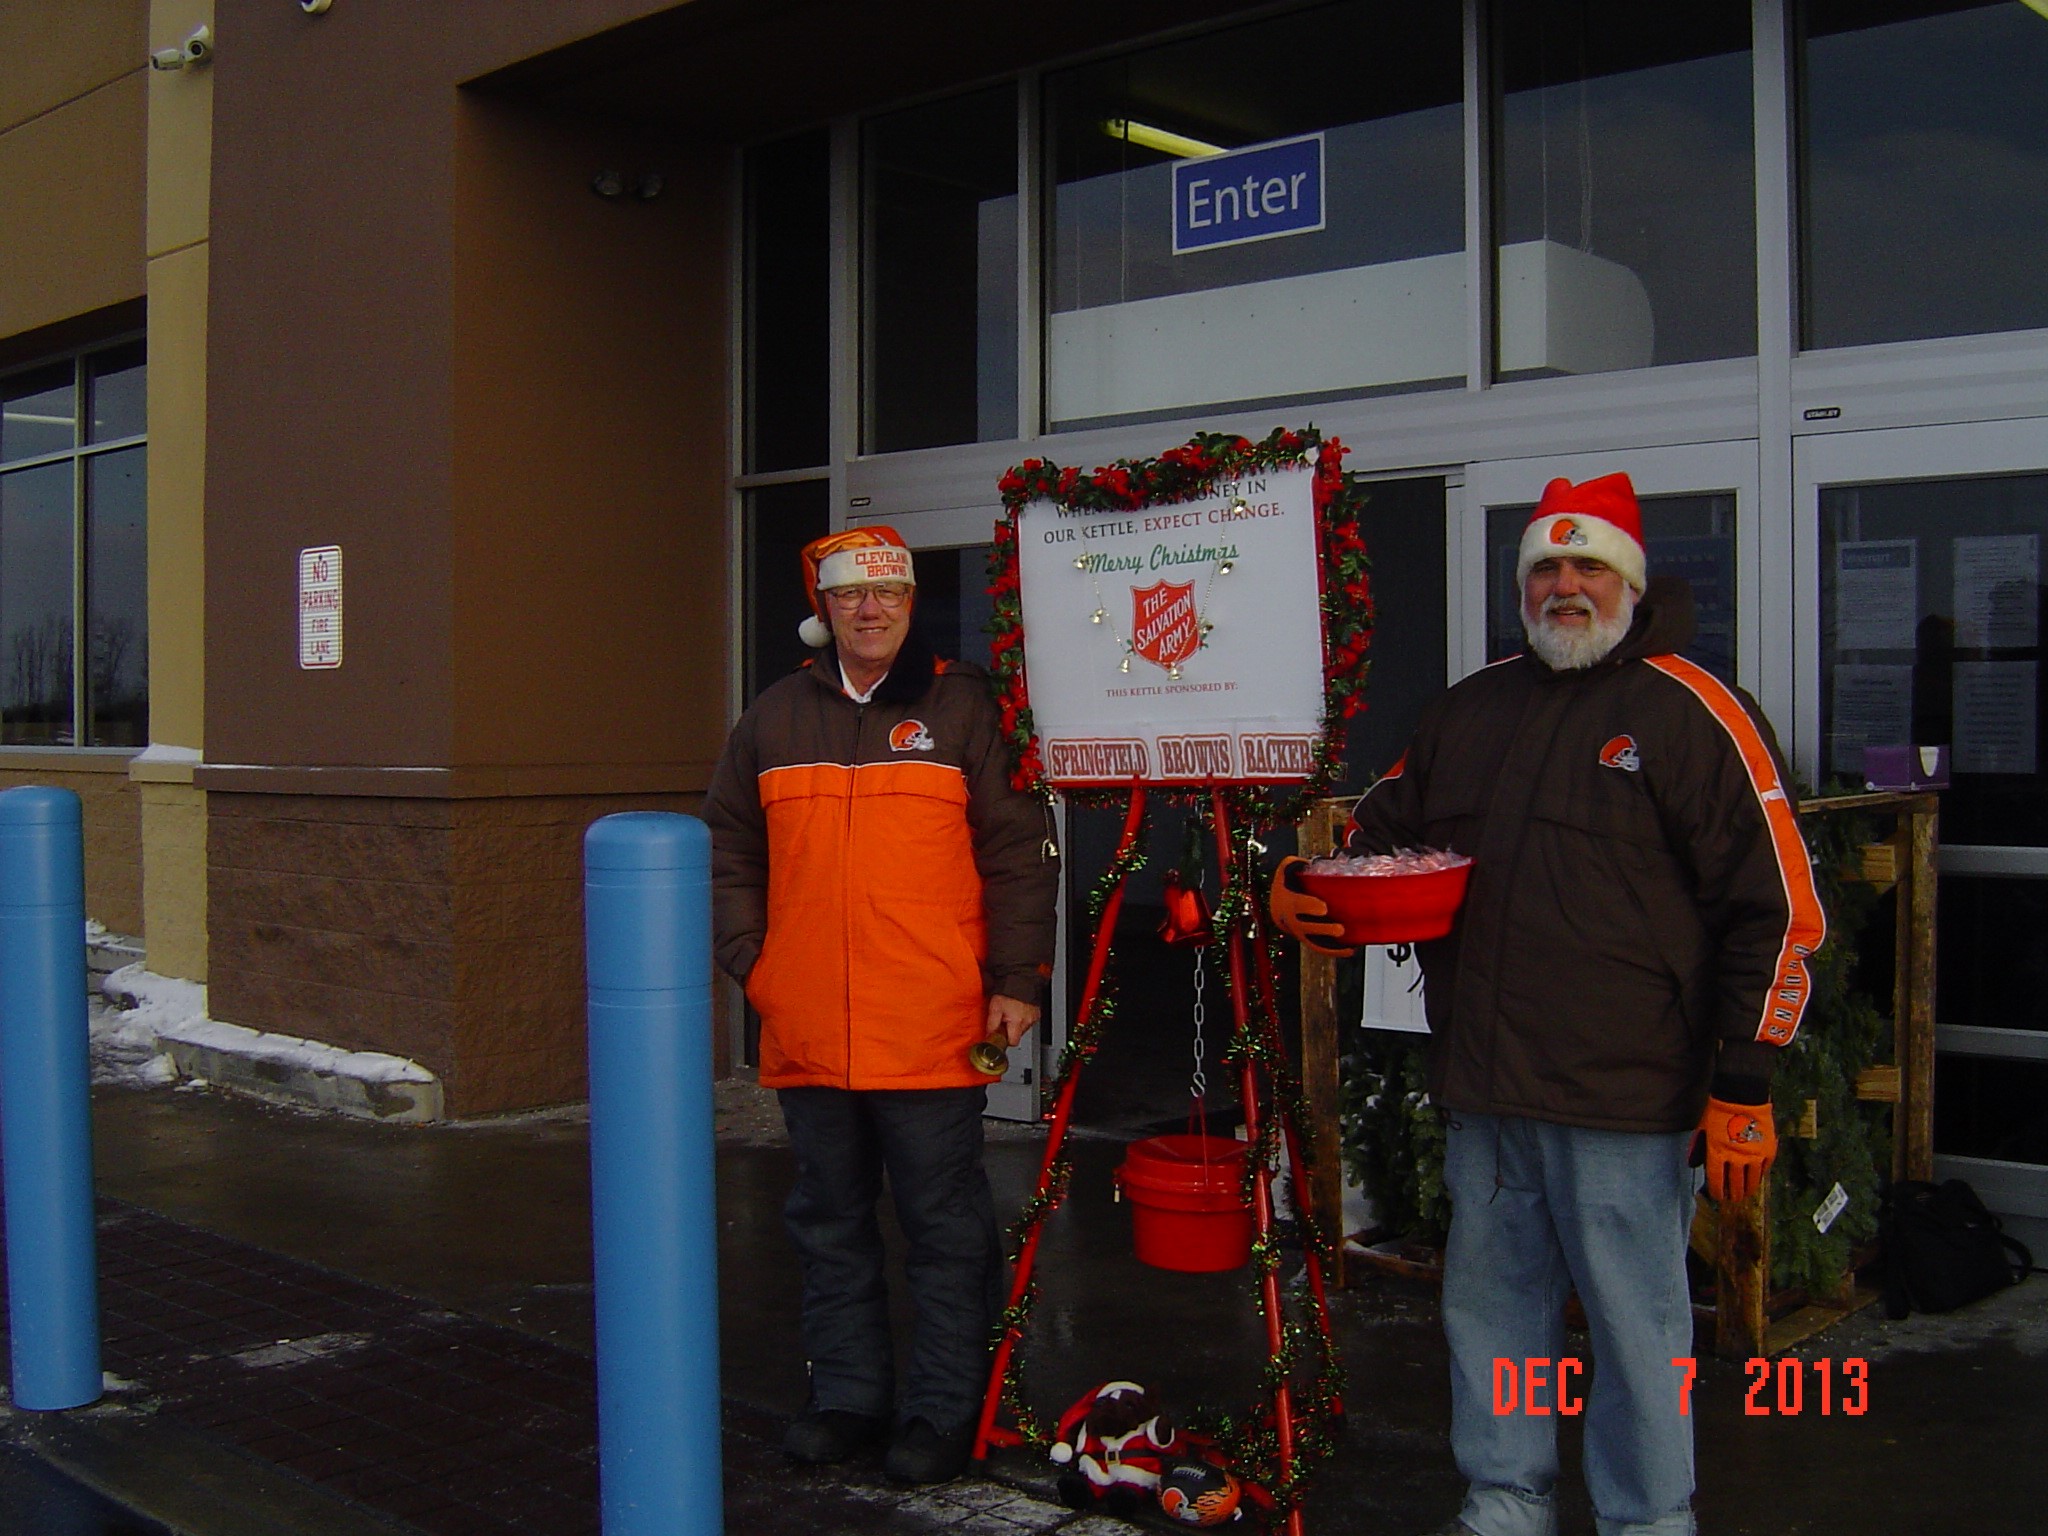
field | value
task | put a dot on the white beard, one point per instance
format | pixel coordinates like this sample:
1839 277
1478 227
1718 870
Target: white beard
1572 650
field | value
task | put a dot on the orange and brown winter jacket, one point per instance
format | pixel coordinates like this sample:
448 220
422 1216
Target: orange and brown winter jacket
1641 907
875 877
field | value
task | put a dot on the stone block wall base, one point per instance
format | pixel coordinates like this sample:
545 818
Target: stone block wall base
443 931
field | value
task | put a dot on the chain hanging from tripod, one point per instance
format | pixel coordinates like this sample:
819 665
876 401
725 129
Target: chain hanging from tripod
1189 922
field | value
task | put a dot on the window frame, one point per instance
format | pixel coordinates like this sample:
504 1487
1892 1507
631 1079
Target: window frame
79 456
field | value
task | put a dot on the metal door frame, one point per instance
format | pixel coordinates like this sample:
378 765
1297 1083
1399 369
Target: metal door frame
1961 451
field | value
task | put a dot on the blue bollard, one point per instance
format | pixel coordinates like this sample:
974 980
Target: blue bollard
647 926
53 1302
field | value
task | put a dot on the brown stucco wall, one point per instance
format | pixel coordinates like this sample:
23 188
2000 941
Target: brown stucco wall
503 398
589 537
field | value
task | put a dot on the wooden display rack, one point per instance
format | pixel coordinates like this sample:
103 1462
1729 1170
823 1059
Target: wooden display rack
1735 1239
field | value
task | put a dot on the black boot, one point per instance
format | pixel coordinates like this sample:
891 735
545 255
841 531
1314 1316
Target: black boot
826 1435
922 1453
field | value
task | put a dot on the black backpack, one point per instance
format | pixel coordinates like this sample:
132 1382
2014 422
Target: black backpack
1943 1249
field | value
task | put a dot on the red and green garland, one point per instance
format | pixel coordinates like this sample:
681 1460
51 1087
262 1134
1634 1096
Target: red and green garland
1187 473
1344 583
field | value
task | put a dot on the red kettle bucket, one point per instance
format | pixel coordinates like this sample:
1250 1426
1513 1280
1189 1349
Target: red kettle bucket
1187 1202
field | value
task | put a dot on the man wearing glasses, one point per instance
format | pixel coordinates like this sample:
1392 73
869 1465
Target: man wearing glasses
886 898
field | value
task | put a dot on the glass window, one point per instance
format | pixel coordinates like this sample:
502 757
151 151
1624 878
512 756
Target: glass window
1334 266
1924 136
1931 612
1985 1107
114 382
1626 185
953 605
36 606
1405 537
787 197
38 413
117 599
939 185
1992 939
1689 537
780 521
92 504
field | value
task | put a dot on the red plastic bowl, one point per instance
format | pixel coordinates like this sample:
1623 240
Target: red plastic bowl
1392 909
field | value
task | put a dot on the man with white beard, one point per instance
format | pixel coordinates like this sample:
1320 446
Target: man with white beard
1628 962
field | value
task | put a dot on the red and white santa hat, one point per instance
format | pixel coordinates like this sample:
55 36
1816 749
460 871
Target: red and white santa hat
855 557
1595 520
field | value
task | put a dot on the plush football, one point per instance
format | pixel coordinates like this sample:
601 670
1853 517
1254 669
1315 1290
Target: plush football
1197 1493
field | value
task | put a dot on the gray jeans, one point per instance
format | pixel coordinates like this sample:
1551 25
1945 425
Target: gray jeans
928 1142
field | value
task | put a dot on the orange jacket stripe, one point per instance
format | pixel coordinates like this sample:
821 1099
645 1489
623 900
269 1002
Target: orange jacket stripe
1805 926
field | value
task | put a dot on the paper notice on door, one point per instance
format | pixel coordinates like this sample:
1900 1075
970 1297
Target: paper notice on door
1393 990
1873 707
1997 591
1876 594
1994 717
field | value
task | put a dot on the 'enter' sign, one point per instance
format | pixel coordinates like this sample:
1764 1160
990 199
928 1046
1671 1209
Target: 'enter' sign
1248 194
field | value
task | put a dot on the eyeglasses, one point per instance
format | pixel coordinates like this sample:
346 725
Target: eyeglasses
890 594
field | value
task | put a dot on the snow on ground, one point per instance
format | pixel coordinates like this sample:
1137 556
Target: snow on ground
145 1014
133 1010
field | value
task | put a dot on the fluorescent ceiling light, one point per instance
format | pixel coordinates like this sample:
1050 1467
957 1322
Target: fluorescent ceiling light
1178 145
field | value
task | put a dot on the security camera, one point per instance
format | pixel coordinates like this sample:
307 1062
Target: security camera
196 49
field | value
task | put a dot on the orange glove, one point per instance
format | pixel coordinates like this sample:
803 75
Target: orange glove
1303 916
1741 1143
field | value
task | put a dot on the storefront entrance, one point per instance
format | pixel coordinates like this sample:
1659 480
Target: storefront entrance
1924 546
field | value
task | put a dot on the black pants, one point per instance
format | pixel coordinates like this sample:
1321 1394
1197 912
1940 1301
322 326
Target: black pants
928 1142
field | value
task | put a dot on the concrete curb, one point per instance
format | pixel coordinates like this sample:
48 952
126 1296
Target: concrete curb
281 1069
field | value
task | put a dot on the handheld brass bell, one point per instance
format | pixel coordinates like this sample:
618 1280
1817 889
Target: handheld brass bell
990 1057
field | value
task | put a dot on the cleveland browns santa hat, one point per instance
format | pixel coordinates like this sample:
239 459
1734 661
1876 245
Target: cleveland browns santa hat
1593 520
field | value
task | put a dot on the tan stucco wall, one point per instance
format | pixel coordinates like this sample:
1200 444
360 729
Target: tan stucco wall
174 878
71 174
108 807
174 884
72 132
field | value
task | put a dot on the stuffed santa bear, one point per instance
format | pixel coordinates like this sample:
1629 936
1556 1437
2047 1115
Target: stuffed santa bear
1113 1444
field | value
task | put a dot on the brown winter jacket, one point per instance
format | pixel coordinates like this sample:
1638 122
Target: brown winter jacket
875 879
1641 904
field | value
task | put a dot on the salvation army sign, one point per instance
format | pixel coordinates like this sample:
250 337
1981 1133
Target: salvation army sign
1197 619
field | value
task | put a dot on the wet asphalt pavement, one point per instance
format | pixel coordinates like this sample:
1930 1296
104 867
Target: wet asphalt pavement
450 1245
36 1498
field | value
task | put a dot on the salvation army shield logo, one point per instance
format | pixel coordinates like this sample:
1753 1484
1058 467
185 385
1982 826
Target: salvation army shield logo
1163 628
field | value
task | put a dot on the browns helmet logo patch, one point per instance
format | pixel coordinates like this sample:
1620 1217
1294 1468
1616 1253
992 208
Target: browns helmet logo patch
1196 1493
1621 753
911 736
1743 1129
1567 533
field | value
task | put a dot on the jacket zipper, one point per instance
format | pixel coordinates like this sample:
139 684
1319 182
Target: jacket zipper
860 715
1500 945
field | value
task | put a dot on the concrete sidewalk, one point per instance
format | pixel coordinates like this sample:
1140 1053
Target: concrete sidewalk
339 1328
